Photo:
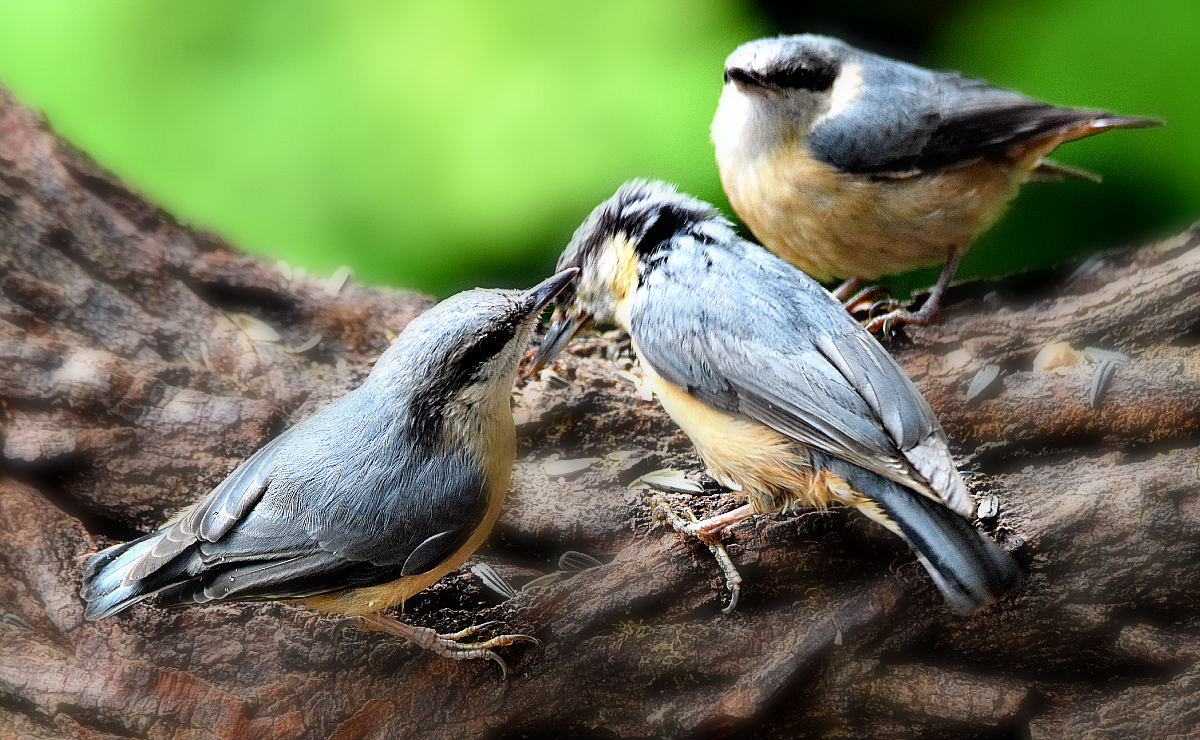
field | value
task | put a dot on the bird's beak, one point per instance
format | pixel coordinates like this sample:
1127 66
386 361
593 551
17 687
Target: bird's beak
541 294
562 330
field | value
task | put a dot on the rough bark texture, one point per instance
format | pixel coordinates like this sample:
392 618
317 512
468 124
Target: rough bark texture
131 382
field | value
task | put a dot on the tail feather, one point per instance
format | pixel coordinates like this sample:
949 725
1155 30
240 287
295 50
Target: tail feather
966 565
1110 121
1098 123
1029 154
107 588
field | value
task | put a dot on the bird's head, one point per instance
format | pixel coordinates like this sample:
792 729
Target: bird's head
464 351
779 86
614 249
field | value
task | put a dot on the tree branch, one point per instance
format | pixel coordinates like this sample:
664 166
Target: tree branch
141 360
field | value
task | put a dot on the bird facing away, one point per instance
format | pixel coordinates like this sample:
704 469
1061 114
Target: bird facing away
366 502
850 165
781 391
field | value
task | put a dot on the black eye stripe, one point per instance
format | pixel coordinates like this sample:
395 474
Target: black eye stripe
668 221
648 214
808 72
461 371
743 76
485 348
806 78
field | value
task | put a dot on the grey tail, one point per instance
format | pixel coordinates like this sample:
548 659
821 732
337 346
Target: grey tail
1098 123
105 588
1109 120
966 565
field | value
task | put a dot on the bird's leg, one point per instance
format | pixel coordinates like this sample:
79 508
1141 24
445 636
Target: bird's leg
847 289
928 310
447 646
709 531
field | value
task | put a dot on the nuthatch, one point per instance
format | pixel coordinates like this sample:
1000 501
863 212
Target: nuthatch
780 390
853 166
366 502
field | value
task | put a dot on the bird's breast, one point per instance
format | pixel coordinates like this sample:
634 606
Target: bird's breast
833 224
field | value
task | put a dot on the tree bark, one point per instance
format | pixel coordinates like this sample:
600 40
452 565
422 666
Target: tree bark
141 360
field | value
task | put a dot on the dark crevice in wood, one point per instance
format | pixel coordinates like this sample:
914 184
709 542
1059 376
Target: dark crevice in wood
47 479
13 702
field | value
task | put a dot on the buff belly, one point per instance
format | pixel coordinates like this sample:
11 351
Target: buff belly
371 599
774 470
834 225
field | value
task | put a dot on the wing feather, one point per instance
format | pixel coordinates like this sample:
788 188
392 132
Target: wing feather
752 336
340 500
912 120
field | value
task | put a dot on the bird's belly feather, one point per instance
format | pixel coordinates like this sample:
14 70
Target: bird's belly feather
773 469
832 224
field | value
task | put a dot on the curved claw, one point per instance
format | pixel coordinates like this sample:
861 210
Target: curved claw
889 321
500 641
451 643
449 648
467 632
861 301
491 655
887 304
734 590
710 538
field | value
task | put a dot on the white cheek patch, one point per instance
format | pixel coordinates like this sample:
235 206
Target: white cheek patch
846 89
733 114
593 287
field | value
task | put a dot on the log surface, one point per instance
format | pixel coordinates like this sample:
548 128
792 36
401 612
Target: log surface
141 360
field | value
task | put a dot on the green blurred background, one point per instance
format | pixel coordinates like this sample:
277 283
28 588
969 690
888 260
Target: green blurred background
446 145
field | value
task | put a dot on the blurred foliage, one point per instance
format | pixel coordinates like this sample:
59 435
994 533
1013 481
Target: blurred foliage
1134 58
446 145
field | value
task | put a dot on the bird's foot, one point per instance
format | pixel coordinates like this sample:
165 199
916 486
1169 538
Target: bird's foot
707 531
896 316
856 298
866 300
448 646
929 310
847 289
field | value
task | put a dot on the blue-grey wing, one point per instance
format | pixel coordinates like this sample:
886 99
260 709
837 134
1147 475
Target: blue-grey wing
371 526
908 120
750 335
345 498
214 515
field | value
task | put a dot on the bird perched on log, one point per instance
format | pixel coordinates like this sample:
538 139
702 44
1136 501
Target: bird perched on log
850 165
366 502
781 391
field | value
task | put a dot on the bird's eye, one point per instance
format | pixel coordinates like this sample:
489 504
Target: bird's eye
744 77
478 353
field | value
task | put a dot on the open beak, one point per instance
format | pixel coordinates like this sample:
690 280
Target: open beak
562 331
541 294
